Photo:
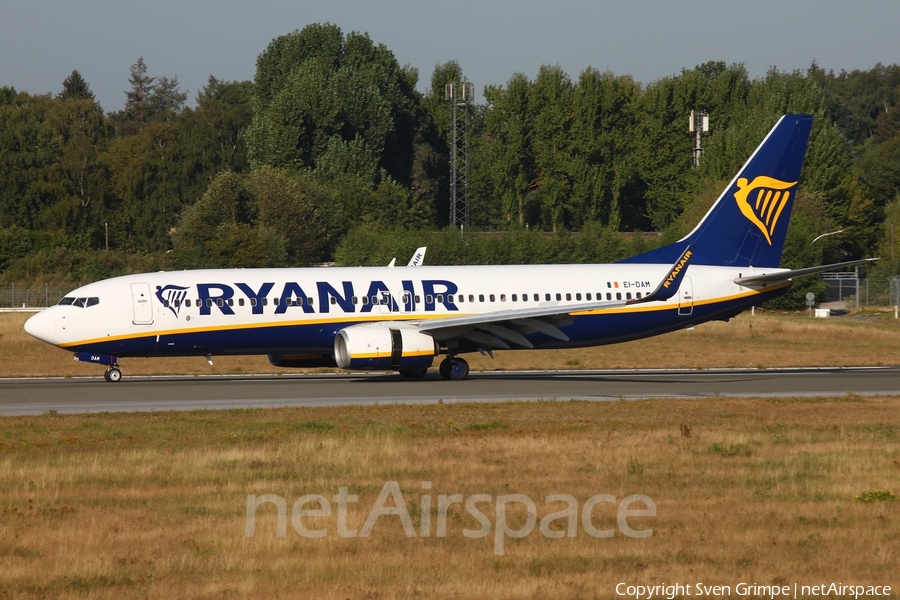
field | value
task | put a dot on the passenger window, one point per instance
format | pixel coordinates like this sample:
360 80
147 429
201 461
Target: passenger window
240 301
588 296
638 294
578 296
568 296
177 303
252 302
333 300
429 299
230 302
547 297
374 299
308 301
472 298
165 303
220 302
440 298
558 296
354 300
187 303
628 296
515 298
265 301
460 298
492 298
365 300
481 297
404 298
418 298
67 301
618 295
608 296
502 297
450 298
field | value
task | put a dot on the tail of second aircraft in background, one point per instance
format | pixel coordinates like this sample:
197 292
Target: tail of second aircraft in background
747 225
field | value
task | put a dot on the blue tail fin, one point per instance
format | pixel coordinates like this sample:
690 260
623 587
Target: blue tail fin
748 223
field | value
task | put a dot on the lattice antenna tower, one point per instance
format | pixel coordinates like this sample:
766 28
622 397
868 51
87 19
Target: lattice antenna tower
698 124
460 96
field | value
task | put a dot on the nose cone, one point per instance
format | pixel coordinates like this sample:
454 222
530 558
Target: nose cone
43 326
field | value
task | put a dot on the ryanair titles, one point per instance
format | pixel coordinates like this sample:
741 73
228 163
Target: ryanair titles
267 298
678 267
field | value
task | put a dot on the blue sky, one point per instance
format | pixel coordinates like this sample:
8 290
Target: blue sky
42 41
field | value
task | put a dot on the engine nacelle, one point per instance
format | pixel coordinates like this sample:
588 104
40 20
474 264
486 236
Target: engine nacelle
301 361
384 346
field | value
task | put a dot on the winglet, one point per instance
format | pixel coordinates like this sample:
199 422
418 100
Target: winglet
418 257
668 287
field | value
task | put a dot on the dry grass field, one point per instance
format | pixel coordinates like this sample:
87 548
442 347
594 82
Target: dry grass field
154 505
762 341
765 491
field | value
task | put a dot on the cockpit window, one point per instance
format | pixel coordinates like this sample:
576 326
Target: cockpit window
79 302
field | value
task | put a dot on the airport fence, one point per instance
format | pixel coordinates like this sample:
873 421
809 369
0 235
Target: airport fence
29 296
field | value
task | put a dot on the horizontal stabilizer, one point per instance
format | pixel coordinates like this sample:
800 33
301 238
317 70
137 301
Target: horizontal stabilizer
780 276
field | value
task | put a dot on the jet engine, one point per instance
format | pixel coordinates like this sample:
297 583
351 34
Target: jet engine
384 346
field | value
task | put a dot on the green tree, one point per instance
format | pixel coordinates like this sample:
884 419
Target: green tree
75 88
316 84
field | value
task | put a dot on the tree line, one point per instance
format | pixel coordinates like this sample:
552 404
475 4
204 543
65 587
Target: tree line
331 153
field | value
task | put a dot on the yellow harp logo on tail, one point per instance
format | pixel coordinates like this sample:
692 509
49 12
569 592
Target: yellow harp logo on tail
762 201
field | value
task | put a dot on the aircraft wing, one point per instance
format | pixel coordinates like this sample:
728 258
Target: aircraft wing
495 329
781 276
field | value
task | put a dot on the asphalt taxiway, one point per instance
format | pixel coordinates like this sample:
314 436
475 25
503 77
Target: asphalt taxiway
93 394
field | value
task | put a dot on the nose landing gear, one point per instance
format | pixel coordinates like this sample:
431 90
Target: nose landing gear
113 372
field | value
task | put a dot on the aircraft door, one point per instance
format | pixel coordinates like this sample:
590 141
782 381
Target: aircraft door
686 298
143 307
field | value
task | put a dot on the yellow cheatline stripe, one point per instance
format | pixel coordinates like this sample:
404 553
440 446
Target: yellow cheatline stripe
401 317
647 308
387 354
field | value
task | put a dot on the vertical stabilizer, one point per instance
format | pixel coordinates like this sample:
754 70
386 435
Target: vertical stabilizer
747 225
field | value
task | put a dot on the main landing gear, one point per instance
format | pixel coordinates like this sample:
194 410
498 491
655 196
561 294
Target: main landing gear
113 374
453 367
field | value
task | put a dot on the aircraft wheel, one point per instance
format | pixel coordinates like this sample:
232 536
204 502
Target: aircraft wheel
459 369
445 367
413 373
113 375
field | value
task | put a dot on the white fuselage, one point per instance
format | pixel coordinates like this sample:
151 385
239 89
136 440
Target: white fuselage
268 311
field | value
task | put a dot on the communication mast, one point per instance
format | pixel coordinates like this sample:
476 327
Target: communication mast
460 96
698 124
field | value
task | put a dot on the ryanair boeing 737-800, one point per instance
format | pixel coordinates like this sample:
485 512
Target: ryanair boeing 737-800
401 318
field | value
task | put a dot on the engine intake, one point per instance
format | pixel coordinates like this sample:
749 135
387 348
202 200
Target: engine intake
383 346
